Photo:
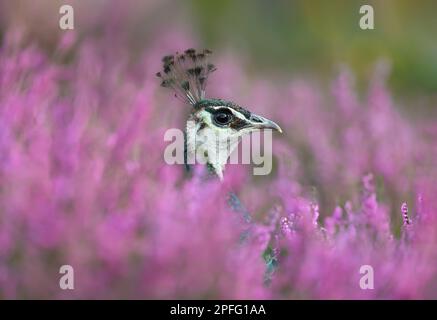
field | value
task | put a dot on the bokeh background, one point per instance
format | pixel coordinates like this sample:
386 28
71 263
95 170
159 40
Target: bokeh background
83 181
285 37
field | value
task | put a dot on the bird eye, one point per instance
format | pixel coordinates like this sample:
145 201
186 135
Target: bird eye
223 117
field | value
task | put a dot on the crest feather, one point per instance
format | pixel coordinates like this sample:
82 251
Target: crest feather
187 74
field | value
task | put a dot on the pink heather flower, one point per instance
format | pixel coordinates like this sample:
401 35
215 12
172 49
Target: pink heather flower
404 209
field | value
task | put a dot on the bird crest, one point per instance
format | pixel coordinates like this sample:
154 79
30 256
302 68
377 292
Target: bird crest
215 126
187 74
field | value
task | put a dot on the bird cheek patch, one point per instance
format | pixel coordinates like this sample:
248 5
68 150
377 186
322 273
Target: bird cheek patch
238 124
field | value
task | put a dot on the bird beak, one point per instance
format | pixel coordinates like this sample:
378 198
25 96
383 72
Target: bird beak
259 122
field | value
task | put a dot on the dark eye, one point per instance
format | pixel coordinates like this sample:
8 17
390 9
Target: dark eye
222 117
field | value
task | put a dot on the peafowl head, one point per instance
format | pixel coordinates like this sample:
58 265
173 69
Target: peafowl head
215 126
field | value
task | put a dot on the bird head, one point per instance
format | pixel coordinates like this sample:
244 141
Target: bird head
217 126
214 126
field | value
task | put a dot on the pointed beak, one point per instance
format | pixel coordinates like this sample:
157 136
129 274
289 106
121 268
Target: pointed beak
259 122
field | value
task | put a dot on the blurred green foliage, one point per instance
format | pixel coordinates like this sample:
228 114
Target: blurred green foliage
293 37
317 36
